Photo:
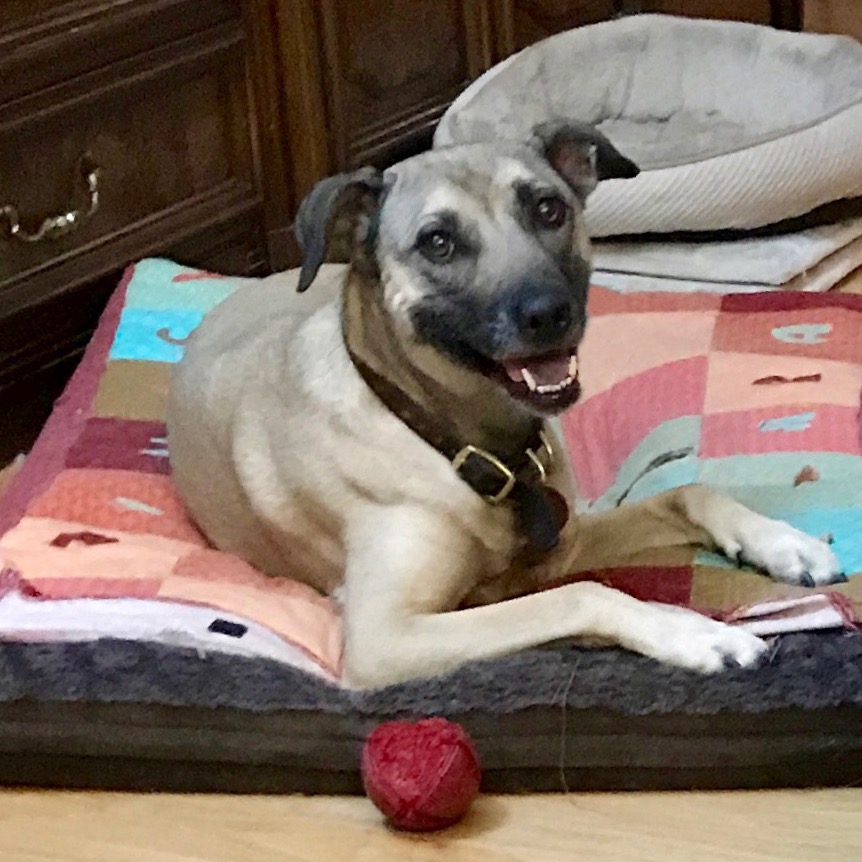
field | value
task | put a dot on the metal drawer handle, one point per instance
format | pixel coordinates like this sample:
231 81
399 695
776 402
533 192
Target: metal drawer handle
59 225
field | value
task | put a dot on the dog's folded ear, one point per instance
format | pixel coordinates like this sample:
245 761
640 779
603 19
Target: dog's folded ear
333 217
581 154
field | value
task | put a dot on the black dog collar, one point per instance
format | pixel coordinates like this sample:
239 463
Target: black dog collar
517 477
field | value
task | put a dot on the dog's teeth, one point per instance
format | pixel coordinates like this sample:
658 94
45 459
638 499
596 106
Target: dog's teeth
547 388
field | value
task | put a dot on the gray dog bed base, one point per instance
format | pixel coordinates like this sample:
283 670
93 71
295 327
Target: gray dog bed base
124 715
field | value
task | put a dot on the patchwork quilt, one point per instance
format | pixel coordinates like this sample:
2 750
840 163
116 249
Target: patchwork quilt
758 394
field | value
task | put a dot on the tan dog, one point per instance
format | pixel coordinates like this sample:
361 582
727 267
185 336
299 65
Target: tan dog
315 436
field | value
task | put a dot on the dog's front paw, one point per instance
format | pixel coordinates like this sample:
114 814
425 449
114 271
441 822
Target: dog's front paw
690 640
785 553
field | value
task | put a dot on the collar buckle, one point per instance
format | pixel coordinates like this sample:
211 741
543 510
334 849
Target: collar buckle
468 451
541 458
542 464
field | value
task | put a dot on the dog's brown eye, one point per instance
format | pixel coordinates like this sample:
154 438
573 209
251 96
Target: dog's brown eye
437 245
551 211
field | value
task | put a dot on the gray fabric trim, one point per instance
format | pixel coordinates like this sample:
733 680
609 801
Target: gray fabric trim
811 671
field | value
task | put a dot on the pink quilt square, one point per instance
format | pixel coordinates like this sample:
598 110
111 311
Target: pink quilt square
294 610
750 381
625 345
801 428
66 559
604 430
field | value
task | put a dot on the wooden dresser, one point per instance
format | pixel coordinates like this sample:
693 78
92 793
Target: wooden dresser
145 108
192 128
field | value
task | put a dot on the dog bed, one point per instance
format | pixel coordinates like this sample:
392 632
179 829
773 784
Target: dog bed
734 125
133 656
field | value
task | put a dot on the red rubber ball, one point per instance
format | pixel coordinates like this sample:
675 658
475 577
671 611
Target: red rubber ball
422 776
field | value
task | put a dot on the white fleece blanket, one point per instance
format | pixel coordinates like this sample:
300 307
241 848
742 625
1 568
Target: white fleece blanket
812 260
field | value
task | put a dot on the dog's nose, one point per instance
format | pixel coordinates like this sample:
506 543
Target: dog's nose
543 319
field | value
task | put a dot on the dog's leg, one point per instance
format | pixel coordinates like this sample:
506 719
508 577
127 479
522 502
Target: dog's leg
406 569
695 514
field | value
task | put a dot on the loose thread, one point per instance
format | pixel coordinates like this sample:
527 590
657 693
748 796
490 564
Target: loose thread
563 751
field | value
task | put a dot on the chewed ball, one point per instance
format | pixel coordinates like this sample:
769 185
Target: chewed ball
422 776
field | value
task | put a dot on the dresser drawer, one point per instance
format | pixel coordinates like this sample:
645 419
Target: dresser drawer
164 114
44 43
167 133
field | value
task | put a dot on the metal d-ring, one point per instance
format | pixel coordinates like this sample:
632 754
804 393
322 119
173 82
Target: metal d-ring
59 225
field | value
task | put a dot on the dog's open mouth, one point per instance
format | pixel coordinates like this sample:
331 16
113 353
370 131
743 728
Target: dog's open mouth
548 382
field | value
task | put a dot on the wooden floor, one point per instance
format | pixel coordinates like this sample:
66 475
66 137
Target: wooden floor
816 826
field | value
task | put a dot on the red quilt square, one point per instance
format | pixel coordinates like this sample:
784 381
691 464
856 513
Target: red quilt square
603 300
121 444
118 500
670 585
800 428
815 333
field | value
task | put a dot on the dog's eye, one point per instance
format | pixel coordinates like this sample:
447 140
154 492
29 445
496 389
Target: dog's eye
437 245
551 211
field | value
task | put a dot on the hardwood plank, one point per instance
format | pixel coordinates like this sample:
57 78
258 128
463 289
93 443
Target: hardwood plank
791 826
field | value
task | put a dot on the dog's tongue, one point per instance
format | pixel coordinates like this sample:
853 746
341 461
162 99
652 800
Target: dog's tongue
545 370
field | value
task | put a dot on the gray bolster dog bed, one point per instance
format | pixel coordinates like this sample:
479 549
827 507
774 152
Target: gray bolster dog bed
735 126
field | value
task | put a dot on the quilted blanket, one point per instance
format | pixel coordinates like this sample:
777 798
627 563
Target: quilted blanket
758 394
755 394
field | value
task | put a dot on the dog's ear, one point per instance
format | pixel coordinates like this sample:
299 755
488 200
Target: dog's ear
581 155
334 217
